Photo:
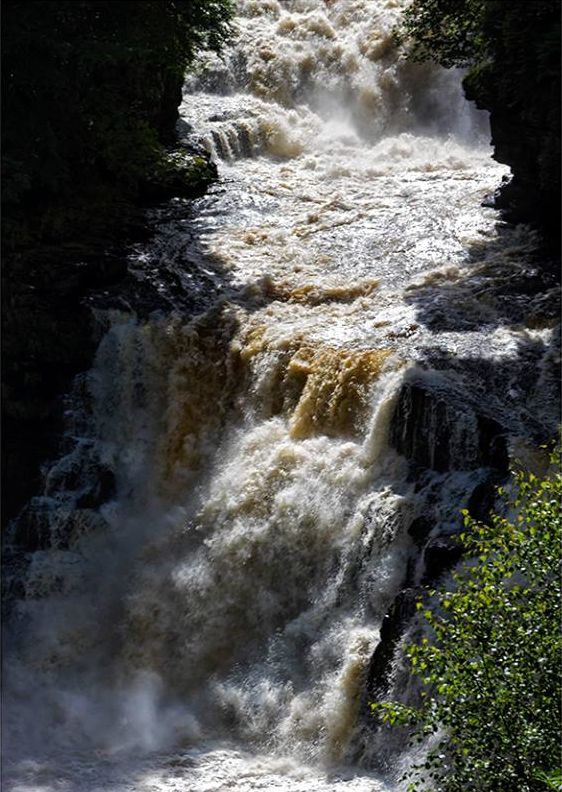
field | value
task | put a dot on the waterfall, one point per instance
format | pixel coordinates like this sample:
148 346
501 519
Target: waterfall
261 463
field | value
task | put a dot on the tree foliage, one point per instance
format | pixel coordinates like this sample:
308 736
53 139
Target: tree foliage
448 31
89 89
469 32
489 654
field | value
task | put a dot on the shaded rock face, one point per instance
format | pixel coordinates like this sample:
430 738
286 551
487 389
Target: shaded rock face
73 489
61 243
165 112
14 568
483 496
457 456
520 87
532 195
49 335
439 556
72 492
433 433
419 530
44 345
50 332
393 625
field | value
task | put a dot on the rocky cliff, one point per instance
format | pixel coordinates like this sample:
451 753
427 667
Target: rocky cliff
519 84
90 100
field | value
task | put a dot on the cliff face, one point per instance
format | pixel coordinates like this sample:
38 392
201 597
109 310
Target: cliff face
48 330
90 105
519 84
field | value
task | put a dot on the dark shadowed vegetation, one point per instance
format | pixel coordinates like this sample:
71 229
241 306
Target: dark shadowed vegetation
90 93
90 100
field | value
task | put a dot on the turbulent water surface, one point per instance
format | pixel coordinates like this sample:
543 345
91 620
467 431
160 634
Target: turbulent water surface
209 626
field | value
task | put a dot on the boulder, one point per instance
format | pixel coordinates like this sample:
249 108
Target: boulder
440 556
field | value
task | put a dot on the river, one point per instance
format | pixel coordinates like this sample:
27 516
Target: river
210 624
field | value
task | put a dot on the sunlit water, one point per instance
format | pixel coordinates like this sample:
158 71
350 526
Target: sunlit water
210 628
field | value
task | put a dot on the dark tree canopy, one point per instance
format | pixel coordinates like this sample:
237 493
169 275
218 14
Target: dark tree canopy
89 90
449 31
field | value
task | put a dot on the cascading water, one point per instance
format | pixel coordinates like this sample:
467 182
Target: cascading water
331 373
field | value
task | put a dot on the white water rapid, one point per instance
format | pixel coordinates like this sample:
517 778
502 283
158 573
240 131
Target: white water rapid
209 622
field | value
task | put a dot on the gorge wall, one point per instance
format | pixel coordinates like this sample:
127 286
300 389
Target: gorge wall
520 86
512 55
90 97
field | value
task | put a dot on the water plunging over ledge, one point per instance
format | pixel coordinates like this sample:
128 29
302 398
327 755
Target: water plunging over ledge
336 359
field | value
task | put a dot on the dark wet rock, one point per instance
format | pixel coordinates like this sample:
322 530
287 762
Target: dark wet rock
31 531
420 529
187 178
492 444
100 492
433 431
45 524
392 629
483 497
490 200
107 271
15 564
50 334
521 199
44 346
440 556
519 84
165 113
417 428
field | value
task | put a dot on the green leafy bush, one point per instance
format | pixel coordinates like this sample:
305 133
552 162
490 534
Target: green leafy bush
489 654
